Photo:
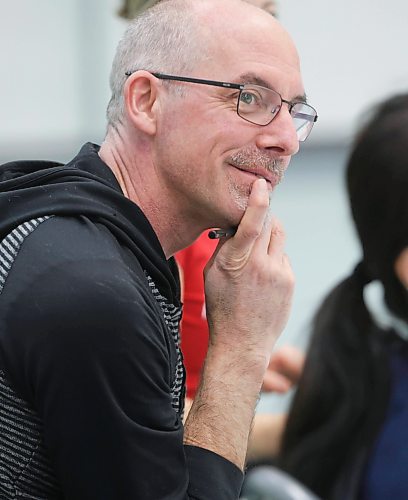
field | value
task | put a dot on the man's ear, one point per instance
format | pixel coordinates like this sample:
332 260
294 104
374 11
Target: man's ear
140 98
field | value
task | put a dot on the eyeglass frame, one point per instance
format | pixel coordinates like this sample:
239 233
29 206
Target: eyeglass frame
237 86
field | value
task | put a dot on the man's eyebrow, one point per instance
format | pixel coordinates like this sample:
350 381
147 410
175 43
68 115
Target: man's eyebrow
252 78
256 80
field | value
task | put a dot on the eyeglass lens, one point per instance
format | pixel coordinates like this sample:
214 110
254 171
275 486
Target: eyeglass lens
260 105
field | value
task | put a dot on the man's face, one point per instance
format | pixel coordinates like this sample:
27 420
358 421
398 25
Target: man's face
210 156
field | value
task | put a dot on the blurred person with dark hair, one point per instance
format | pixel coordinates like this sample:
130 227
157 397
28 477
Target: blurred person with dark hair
202 123
347 431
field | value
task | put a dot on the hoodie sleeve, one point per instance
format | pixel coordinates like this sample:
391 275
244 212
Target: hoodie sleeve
94 358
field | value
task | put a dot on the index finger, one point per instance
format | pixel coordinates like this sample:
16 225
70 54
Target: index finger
253 220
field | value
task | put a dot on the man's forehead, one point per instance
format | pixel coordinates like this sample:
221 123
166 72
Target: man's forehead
261 49
260 37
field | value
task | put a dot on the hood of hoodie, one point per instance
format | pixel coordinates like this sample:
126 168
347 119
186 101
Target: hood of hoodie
84 186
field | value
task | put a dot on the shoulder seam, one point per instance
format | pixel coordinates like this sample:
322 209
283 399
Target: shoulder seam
11 244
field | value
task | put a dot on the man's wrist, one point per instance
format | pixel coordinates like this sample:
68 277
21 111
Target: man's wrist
222 413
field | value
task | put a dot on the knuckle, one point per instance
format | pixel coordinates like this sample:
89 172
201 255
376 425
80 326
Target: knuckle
250 232
278 231
283 279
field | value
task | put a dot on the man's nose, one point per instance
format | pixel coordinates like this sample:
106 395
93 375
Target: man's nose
280 134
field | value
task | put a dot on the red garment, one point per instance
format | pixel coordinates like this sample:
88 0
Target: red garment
194 329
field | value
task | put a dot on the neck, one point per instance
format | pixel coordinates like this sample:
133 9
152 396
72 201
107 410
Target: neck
130 160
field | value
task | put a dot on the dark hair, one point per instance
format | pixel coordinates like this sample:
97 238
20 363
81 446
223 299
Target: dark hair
377 184
343 392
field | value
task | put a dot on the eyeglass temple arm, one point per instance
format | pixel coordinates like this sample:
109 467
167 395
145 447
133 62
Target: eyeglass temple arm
303 116
163 76
187 79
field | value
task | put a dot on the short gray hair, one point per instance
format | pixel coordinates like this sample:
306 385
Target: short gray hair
164 38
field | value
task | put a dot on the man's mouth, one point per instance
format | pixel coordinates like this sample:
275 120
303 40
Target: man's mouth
255 163
272 178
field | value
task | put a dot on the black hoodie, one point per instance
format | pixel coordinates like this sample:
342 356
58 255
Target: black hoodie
91 375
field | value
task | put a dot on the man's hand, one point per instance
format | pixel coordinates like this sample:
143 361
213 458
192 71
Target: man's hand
249 285
249 282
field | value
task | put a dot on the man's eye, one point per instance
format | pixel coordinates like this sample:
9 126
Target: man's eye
248 98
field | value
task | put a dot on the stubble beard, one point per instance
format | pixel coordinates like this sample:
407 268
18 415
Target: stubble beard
252 159
240 199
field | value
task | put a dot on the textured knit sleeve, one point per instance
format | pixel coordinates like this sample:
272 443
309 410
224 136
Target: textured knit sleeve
94 358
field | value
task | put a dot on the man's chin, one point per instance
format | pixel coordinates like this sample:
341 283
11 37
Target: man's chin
240 198
240 204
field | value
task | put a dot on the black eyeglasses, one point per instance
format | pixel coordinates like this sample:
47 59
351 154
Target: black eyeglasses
259 105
